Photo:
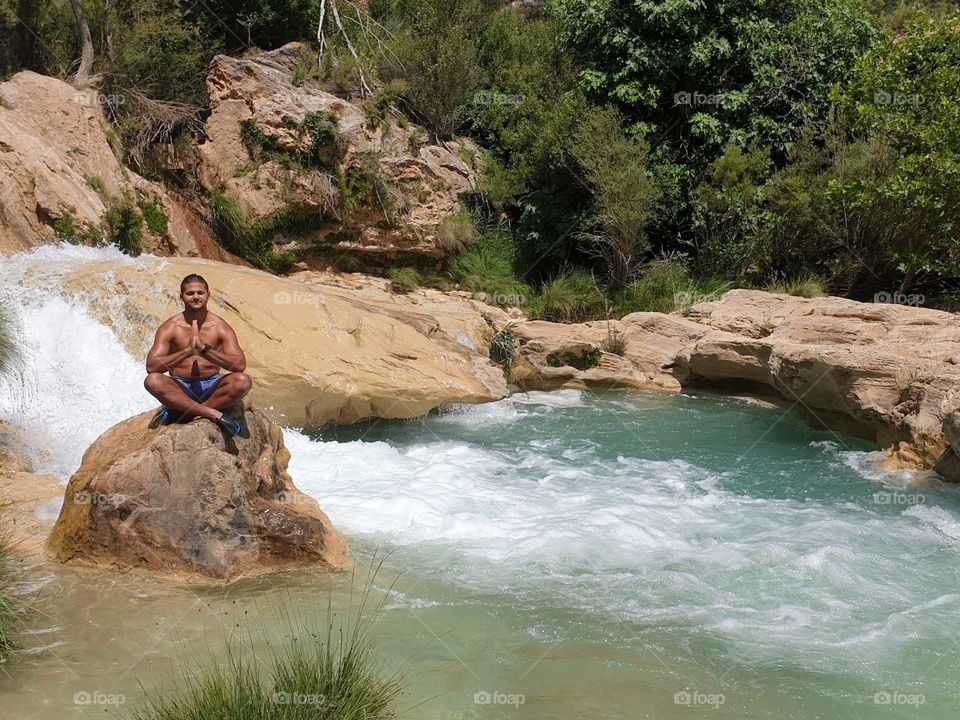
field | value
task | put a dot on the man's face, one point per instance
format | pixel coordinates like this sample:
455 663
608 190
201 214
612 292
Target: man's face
195 296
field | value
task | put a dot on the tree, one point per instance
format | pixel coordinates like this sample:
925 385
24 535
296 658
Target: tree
904 96
82 78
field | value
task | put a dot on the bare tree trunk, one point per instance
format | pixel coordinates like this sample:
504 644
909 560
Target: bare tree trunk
82 78
907 282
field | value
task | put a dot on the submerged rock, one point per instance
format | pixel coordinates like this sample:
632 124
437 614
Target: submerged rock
185 501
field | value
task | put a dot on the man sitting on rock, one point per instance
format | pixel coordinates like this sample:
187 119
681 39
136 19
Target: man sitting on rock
193 346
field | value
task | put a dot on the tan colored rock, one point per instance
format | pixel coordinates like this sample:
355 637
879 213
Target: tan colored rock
422 181
53 150
315 356
184 501
22 492
882 371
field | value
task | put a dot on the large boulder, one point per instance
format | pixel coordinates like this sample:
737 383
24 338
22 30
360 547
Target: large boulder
59 176
263 114
888 372
187 502
315 355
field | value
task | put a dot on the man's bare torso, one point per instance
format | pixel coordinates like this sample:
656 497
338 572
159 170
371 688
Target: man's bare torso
178 332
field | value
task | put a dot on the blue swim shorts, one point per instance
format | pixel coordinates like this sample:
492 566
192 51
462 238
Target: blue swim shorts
198 389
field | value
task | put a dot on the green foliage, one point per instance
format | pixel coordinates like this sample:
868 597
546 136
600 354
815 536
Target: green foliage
615 167
904 95
5 104
254 242
728 215
456 232
378 107
404 279
319 145
155 218
66 229
666 286
487 267
126 227
705 75
572 296
503 349
435 49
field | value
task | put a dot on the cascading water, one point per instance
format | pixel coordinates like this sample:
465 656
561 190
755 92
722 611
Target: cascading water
599 554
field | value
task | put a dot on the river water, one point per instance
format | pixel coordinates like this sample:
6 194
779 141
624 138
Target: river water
553 555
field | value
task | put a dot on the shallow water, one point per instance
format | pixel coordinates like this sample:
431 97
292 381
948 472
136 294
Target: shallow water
601 555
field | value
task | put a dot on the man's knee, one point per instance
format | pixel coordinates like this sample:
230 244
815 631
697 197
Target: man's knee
153 382
242 382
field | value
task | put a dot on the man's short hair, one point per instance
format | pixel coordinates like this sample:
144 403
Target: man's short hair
193 278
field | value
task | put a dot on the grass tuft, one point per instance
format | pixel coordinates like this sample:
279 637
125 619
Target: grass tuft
329 673
570 297
805 286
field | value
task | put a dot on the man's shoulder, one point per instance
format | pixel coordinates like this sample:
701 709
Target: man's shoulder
171 321
218 321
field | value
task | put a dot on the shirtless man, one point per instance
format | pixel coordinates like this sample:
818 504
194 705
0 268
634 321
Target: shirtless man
193 346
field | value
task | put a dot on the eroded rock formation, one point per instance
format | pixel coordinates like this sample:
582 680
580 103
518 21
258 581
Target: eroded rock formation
888 372
276 144
59 176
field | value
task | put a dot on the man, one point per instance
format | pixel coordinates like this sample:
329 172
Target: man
193 346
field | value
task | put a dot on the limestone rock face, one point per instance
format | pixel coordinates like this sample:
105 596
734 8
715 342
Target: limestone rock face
56 165
185 501
255 99
884 371
315 355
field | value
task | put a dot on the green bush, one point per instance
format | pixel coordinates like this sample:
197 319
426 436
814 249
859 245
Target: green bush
436 52
155 218
615 166
666 286
126 227
66 229
254 242
572 296
487 267
904 95
404 279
